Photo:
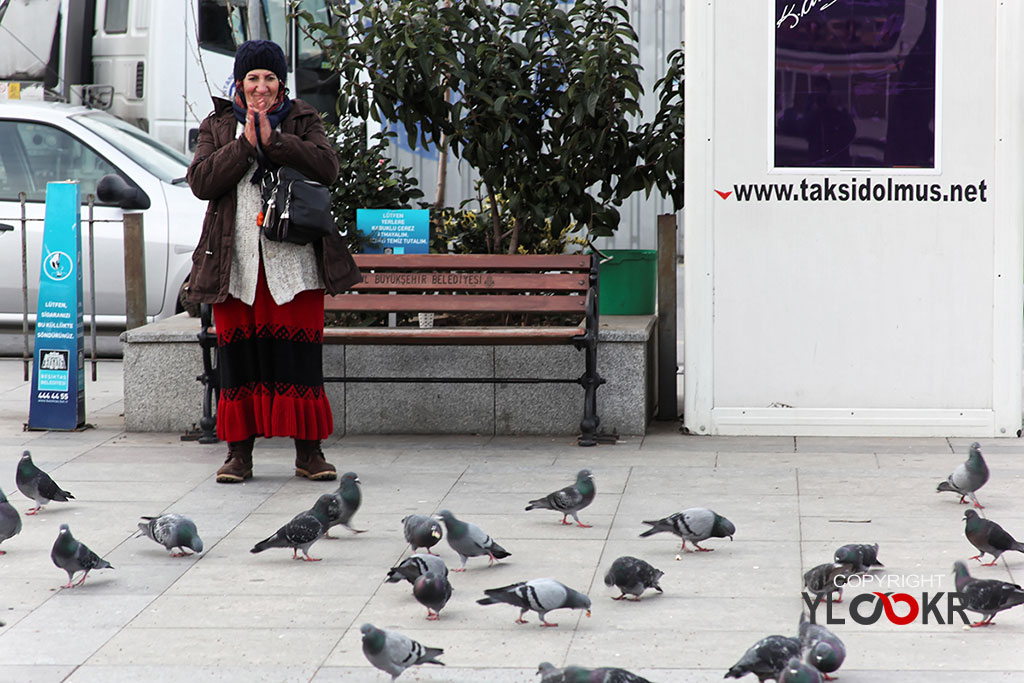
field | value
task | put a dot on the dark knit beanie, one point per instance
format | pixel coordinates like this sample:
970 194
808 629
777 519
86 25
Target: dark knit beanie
260 54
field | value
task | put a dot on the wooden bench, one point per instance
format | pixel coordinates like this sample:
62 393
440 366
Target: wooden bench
469 285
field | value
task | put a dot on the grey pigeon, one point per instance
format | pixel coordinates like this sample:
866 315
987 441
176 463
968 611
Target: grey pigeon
415 565
71 556
393 653
469 540
578 674
828 578
172 531
968 477
305 529
539 595
570 500
861 556
433 591
765 658
796 671
988 537
633 576
37 485
10 521
348 498
821 648
987 597
694 525
421 531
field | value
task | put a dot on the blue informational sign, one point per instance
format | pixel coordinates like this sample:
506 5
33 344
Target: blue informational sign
58 374
395 231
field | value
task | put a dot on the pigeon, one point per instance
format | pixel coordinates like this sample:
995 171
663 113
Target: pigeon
859 555
10 521
796 671
570 500
71 556
305 529
415 565
578 674
826 579
172 531
633 576
988 537
968 477
433 591
469 540
393 653
986 596
765 658
821 648
37 485
694 525
421 531
348 497
539 595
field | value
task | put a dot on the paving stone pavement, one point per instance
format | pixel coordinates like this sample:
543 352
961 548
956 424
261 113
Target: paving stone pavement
228 615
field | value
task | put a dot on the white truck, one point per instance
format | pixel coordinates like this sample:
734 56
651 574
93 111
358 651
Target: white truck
153 63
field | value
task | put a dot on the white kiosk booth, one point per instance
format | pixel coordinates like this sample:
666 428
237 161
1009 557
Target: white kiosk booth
854 217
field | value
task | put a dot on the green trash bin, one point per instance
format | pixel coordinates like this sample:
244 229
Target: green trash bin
628 284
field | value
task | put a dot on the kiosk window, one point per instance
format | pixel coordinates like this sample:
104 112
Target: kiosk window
855 84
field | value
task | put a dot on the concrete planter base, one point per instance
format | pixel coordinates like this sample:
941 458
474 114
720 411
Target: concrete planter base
162 361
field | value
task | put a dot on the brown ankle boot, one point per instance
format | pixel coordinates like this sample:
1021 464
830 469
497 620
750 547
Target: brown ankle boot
310 463
238 465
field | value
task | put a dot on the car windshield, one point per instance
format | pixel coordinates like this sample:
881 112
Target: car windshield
162 161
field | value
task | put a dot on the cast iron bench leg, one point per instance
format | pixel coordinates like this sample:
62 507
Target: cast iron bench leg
210 378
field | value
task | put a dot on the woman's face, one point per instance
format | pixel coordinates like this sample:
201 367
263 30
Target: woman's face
260 87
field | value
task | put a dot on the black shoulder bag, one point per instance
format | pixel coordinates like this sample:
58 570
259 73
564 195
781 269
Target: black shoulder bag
295 208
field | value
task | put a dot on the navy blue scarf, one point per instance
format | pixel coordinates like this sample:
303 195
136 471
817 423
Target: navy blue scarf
277 114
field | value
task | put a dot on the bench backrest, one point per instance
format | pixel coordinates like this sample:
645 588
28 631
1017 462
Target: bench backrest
557 283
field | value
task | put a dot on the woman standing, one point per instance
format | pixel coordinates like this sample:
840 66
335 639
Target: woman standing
267 296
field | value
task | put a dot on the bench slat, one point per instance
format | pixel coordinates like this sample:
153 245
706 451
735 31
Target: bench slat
517 262
474 281
448 335
450 303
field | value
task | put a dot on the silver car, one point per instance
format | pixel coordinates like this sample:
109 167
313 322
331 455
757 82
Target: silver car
45 141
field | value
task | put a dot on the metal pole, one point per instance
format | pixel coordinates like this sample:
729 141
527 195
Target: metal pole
26 357
667 361
134 271
92 282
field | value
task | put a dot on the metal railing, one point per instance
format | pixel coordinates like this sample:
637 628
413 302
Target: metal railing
90 223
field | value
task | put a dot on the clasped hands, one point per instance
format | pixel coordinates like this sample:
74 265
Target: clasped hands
251 126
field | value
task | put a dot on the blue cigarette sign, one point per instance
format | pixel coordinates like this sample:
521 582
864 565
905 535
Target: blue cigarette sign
395 231
58 374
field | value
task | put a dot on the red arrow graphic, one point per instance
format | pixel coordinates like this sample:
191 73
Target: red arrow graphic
723 195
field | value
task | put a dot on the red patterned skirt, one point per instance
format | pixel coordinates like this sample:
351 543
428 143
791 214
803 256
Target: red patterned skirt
270 361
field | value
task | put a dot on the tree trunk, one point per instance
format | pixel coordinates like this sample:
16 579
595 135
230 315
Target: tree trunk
513 244
495 220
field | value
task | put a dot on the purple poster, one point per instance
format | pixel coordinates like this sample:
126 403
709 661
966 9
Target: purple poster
855 83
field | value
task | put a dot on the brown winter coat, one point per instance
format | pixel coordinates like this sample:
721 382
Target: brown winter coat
220 162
